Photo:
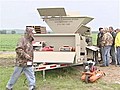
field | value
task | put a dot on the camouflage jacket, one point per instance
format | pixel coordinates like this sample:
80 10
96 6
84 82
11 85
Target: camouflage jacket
23 50
107 39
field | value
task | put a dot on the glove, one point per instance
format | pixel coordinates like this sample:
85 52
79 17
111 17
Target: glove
27 56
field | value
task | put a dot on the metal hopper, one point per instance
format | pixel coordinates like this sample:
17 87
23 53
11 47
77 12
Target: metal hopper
69 40
59 22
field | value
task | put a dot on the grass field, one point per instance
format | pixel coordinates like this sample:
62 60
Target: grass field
58 79
8 41
94 38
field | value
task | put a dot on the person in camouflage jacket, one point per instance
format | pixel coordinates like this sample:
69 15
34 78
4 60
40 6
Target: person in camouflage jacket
107 41
24 51
24 60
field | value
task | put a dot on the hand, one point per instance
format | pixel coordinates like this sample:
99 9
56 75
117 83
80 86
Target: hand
27 56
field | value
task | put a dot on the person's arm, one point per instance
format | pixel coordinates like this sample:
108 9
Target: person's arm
20 50
98 39
104 39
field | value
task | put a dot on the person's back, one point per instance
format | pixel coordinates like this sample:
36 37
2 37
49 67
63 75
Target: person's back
117 46
117 40
112 51
107 41
99 44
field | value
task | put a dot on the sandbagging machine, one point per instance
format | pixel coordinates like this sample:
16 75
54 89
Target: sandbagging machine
68 44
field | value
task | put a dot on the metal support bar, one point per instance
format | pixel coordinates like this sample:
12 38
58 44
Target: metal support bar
44 75
95 56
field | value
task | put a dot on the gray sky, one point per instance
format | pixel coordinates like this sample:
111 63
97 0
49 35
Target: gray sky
16 14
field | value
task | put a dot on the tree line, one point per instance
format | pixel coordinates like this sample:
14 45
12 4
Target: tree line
5 32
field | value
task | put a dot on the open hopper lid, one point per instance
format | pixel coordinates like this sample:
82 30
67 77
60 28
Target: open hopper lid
66 24
60 23
51 11
82 29
87 20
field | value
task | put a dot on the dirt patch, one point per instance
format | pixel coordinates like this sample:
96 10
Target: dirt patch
7 59
112 74
5 62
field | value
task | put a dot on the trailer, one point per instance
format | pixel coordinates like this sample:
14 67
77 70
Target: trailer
69 44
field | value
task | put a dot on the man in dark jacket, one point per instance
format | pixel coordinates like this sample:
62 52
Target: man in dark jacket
112 51
24 60
99 40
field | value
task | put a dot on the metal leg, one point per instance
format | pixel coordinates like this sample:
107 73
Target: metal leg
96 57
44 75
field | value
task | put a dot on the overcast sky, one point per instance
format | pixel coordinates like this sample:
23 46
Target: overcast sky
16 14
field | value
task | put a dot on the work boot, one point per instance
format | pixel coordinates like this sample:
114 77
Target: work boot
112 63
9 89
33 88
102 66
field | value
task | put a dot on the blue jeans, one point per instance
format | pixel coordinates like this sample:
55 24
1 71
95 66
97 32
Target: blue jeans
29 73
118 55
106 55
